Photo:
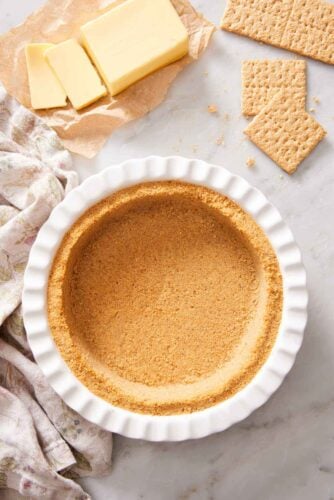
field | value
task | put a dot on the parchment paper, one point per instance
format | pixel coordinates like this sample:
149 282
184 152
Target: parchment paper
85 131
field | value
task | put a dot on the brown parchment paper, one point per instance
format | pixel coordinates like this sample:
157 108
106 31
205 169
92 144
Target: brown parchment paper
85 131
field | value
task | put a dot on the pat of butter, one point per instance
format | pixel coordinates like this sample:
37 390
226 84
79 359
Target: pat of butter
134 39
46 90
76 73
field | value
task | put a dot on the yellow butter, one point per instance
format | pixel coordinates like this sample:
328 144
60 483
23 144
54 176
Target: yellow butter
133 39
76 73
46 90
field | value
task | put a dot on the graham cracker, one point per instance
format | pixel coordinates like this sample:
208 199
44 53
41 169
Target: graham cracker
285 131
310 30
261 80
302 26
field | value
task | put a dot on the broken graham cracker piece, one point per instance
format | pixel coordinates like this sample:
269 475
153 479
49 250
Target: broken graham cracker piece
285 131
262 79
302 26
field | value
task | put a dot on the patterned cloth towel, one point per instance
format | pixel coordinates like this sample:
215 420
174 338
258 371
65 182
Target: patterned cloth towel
44 445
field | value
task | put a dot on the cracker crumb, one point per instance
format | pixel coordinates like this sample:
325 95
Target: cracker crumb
312 110
250 162
220 140
206 73
316 100
226 117
212 108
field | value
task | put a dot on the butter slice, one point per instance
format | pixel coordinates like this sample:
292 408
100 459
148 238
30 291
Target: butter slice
46 90
76 73
134 39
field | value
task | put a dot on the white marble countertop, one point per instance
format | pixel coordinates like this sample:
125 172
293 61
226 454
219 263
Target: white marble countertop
285 450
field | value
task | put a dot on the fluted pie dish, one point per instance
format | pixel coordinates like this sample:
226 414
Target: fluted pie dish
165 299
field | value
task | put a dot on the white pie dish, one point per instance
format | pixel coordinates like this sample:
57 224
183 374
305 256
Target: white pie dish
174 427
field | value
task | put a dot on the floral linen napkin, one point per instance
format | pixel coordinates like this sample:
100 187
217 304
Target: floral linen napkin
44 445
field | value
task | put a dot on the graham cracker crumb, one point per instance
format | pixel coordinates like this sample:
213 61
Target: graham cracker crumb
212 108
165 298
250 162
220 140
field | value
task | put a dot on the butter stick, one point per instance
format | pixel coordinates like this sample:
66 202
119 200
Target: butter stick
134 39
76 73
46 90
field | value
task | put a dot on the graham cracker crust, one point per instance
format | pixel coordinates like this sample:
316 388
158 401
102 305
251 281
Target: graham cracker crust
165 298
